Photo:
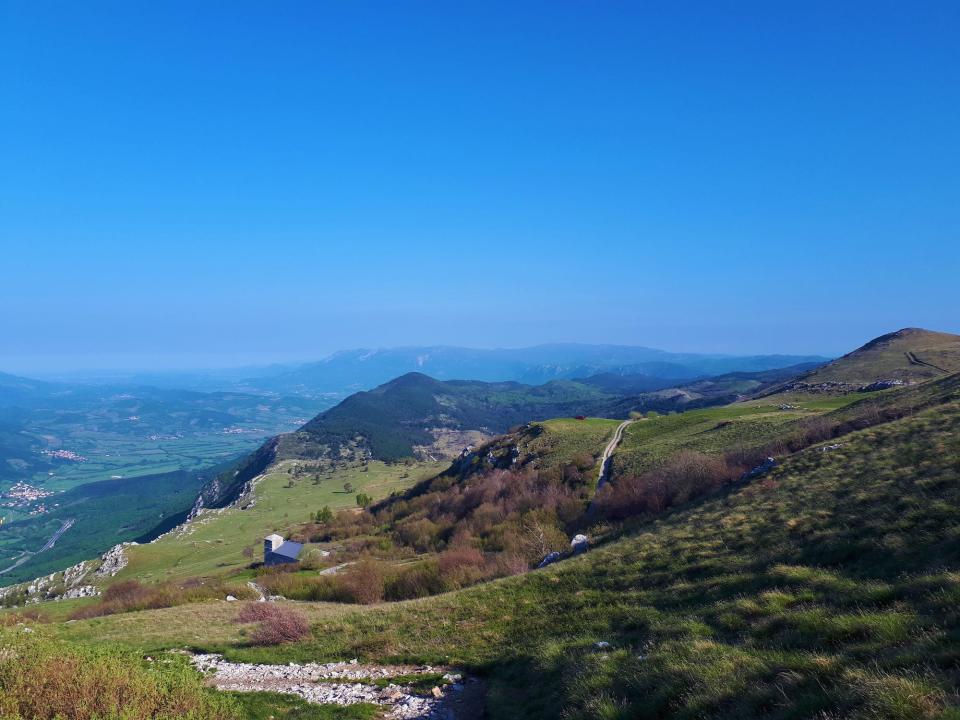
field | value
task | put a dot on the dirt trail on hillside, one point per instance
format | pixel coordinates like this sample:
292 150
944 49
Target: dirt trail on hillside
608 453
348 683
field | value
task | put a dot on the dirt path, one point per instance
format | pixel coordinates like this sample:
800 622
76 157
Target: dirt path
914 360
450 698
608 454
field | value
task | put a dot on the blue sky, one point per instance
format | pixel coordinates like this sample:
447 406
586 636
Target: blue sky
219 183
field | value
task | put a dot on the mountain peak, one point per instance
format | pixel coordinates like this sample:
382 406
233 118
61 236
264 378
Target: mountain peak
910 355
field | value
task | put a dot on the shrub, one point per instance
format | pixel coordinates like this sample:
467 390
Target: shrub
364 581
278 624
538 536
415 581
686 475
42 679
461 566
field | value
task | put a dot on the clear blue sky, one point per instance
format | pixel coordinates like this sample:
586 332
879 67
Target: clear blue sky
187 183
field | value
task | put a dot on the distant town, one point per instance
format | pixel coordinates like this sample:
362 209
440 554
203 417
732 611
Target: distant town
22 495
65 455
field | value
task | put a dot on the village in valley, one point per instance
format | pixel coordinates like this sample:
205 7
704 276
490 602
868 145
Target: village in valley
22 496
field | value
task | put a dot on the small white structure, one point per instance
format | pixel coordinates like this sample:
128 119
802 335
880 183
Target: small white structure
271 543
276 550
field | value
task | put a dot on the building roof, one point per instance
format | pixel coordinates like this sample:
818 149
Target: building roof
289 549
274 537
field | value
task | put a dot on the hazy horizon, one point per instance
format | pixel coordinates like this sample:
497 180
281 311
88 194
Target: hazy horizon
52 366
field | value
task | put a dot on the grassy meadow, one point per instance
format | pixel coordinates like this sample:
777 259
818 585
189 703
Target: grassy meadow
214 543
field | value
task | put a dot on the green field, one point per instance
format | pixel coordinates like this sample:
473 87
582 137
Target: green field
214 543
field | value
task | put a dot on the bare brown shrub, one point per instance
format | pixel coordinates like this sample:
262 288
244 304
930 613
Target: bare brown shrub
686 475
461 566
278 624
364 581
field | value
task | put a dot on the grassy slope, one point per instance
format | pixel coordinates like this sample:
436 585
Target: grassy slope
566 438
888 357
544 444
715 429
214 543
831 586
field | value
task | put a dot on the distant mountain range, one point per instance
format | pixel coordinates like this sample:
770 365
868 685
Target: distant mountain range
353 370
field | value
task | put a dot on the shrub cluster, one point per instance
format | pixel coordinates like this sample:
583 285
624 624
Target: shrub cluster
495 512
277 624
685 476
130 595
370 580
42 679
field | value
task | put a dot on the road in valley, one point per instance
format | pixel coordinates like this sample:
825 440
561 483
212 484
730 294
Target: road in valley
56 536
27 554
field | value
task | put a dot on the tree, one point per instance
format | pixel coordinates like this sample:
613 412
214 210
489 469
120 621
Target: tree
324 515
348 487
363 500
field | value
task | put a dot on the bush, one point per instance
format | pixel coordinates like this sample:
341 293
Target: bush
414 581
278 624
364 581
461 566
686 475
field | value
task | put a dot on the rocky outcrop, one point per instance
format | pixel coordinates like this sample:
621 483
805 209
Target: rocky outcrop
579 544
761 469
880 385
64 585
113 560
231 485
75 573
550 559
80 592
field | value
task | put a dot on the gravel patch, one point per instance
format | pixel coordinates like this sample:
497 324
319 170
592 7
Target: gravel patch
342 683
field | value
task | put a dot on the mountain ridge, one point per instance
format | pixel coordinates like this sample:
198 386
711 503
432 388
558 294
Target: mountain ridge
905 356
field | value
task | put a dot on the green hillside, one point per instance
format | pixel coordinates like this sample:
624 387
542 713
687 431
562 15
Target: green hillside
828 589
214 544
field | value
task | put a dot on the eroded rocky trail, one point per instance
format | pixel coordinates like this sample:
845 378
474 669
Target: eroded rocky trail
394 687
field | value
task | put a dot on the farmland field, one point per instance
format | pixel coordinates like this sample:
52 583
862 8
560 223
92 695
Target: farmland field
111 465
